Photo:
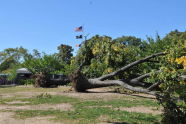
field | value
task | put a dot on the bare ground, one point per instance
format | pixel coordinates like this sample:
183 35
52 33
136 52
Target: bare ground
61 107
141 109
8 118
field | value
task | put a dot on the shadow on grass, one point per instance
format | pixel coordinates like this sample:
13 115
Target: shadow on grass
136 95
139 96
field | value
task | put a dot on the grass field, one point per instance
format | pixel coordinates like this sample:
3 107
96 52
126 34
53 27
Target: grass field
61 105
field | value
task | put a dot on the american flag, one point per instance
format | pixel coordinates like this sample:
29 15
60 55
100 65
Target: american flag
79 28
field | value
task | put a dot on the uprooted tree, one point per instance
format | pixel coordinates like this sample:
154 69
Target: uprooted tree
168 77
81 83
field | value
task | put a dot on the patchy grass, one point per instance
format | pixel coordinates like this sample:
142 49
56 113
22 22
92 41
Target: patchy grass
91 115
55 99
51 99
119 103
84 111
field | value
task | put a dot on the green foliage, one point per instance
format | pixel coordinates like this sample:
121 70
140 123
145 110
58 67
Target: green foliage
173 95
46 65
65 53
101 54
17 54
7 64
42 67
26 81
10 57
129 40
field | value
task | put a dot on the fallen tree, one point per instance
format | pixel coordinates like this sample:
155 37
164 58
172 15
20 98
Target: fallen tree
81 83
172 95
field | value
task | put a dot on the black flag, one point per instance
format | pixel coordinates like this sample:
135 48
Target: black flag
79 37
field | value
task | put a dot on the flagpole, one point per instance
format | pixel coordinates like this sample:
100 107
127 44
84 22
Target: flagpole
86 40
85 44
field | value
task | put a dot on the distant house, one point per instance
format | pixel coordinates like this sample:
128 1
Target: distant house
23 73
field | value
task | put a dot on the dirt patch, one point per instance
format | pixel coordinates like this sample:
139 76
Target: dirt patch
6 95
106 106
7 118
20 94
61 107
141 109
16 102
144 95
98 96
103 119
101 90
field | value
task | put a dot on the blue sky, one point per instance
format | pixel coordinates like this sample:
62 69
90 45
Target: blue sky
45 24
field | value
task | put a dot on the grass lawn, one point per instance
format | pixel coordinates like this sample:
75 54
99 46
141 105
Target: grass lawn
81 111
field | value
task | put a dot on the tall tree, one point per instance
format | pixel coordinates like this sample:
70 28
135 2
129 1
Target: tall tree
129 40
12 56
65 53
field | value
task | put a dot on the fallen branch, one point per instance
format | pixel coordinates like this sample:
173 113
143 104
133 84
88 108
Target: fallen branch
107 76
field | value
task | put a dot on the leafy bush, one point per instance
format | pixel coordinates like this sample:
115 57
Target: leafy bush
173 95
26 81
41 67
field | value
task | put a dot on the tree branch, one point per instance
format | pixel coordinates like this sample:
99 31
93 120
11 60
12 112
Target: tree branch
183 77
141 77
95 83
104 77
154 86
